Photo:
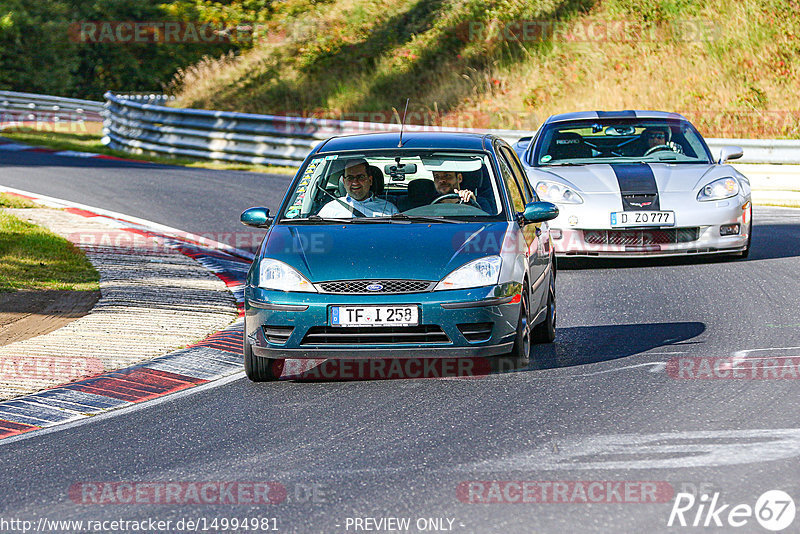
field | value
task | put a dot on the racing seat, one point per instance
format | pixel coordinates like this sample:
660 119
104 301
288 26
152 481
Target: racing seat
478 183
420 192
569 145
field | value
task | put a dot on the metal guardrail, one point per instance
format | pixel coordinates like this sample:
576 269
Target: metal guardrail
29 107
230 136
761 150
140 122
269 139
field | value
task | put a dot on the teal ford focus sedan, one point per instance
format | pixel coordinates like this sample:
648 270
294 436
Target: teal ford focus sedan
425 245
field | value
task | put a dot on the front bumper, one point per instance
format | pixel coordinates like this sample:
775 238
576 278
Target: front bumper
579 240
298 314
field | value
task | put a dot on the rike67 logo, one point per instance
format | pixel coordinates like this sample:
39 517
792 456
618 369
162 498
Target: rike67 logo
774 510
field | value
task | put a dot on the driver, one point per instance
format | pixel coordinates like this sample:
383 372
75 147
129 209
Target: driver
657 136
448 182
358 184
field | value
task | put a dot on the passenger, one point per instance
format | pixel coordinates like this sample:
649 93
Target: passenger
358 184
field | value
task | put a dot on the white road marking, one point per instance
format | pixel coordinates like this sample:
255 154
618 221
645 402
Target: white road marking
668 450
136 221
620 369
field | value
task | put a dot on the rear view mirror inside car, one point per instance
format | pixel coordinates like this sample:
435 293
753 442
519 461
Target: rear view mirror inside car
398 172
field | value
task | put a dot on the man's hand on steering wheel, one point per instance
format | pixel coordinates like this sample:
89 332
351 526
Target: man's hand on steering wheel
673 146
464 196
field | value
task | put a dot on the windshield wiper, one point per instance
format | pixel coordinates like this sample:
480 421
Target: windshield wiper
421 218
317 218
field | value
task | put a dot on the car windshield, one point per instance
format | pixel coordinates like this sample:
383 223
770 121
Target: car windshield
620 141
396 185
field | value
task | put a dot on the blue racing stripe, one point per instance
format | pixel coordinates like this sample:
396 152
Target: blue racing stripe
637 186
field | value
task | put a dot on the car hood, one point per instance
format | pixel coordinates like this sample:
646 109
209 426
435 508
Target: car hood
382 251
602 178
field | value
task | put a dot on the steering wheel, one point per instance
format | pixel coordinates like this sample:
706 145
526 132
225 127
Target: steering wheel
472 202
657 148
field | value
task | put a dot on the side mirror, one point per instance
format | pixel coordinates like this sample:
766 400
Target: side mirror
730 152
522 144
539 212
256 217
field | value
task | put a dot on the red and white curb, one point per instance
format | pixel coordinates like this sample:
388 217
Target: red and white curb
217 357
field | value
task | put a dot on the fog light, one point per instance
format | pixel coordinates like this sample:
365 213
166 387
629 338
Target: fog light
555 233
729 229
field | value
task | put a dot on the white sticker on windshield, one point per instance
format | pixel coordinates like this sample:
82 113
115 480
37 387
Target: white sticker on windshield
334 156
546 158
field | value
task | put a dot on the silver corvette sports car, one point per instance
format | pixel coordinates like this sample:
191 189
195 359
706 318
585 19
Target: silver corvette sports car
637 183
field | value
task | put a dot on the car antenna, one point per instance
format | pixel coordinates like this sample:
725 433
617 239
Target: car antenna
402 124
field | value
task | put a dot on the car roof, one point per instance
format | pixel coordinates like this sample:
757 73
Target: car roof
411 140
625 114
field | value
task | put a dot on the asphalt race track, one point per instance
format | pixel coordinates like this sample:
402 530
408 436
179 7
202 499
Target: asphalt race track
604 403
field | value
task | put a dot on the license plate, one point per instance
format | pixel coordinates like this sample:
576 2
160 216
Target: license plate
374 315
642 218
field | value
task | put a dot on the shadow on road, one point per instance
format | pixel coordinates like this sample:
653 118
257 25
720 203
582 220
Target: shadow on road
574 346
582 345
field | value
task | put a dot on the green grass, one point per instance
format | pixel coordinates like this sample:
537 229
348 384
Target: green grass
733 68
88 141
13 201
32 257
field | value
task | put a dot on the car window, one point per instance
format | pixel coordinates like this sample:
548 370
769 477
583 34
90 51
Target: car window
620 141
514 192
519 174
382 183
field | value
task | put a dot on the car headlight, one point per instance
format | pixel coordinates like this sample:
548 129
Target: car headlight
557 193
478 273
719 189
274 274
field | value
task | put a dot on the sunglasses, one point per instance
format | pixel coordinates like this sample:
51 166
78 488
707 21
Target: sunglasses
356 178
656 136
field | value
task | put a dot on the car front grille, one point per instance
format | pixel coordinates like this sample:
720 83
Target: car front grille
379 287
374 335
655 236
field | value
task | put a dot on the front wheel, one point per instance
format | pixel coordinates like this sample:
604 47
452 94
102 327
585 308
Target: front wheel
746 252
545 332
256 368
522 343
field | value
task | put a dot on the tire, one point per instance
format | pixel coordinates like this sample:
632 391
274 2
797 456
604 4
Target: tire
259 369
746 252
545 332
522 343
